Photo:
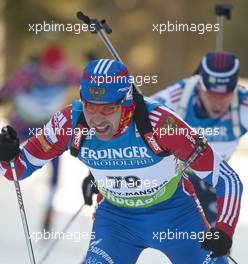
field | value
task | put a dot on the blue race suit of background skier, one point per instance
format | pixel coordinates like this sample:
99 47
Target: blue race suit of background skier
218 76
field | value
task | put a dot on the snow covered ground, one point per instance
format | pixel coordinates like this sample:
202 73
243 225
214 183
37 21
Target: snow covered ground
68 199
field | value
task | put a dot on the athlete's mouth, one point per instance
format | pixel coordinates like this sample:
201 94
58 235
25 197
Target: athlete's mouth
219 111
102 129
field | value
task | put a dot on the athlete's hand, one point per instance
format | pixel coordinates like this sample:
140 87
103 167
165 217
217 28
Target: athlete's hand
89 188
218 242
9 144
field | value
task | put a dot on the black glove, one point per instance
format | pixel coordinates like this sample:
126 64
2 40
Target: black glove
89 188
9 144
218 242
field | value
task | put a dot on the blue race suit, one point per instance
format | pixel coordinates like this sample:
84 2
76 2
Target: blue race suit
143 195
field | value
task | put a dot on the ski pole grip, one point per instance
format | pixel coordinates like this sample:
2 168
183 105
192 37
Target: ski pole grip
224 10
98 25
106 26
83 17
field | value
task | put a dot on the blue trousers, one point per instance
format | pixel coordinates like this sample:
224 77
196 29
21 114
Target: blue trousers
174 227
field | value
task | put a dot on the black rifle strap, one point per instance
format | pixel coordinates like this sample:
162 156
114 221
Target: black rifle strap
142 121
78 135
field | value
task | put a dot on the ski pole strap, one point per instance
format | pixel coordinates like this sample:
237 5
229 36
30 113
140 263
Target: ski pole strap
78 135
142 121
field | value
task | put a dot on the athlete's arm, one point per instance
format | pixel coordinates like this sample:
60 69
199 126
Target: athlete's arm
209 166
46 144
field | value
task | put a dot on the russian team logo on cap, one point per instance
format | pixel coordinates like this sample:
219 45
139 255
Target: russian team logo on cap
97 92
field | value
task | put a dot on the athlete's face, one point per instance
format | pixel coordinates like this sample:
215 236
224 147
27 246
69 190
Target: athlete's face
216 104
104 118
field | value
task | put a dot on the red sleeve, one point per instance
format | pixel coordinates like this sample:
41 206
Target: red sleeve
44 145
53 139
177 137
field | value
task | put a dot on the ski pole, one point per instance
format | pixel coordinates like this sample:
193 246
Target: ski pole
200 148
221 11
53 244
23 214
101 28
202 144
